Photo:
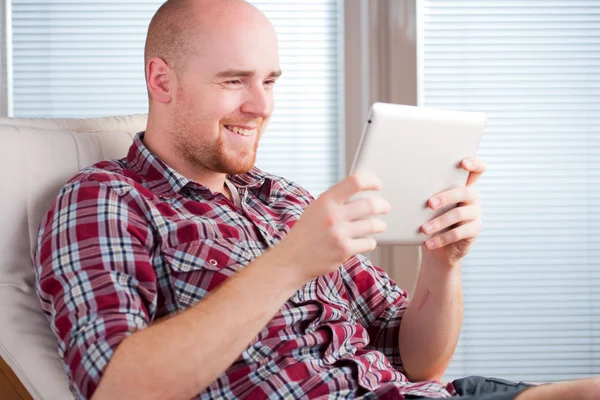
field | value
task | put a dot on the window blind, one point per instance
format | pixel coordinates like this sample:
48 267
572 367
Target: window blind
4 51
85 59
532 281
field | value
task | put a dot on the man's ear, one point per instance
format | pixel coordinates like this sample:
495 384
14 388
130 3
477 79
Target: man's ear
159 78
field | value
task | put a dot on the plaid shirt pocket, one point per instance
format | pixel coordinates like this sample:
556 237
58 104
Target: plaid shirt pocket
198 267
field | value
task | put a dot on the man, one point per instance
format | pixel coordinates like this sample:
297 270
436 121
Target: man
182 270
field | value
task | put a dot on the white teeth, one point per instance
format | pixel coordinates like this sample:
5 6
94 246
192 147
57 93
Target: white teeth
244 132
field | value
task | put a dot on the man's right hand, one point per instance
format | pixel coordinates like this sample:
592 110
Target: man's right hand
332 229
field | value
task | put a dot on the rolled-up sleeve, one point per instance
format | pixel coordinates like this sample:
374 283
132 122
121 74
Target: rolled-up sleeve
94 275
379 304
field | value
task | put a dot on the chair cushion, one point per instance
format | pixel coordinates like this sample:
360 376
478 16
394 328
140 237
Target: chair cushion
37 156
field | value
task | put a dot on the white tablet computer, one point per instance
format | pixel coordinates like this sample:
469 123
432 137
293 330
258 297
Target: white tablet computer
416 152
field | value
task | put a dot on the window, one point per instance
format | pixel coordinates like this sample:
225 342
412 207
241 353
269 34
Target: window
85 59
532 282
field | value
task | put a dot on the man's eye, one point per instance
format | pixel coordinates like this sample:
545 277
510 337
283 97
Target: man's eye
233 82
270 82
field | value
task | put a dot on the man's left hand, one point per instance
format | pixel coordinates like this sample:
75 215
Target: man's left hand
465 220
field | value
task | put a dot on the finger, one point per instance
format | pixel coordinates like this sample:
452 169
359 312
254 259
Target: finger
462 232
365 227
351 185
476 168
366 207
457 215
461 194
363 245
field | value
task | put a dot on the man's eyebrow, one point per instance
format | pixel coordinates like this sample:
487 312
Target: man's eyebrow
240 73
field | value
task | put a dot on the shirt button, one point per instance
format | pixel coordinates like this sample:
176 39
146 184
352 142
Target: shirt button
213 262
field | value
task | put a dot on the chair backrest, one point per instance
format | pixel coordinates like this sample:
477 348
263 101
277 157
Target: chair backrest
37 156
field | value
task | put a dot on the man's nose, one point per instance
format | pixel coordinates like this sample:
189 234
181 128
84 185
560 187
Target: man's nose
258 102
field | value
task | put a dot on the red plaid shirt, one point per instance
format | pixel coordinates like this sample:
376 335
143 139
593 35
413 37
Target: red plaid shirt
130 241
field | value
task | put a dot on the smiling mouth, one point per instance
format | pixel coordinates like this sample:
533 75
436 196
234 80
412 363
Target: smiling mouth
241 131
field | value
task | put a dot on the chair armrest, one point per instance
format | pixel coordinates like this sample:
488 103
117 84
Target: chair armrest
10 386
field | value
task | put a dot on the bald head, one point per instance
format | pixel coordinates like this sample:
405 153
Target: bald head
211 66
178 28
170 32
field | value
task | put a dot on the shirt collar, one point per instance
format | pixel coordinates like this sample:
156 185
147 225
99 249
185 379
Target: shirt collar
166 181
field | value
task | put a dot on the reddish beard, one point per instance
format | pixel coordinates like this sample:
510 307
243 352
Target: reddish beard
224 163
216 157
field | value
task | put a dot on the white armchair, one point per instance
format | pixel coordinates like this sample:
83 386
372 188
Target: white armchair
37 156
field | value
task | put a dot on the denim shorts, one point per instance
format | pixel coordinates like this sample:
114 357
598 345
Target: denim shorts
482 388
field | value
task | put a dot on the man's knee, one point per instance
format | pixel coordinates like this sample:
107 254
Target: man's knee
582 389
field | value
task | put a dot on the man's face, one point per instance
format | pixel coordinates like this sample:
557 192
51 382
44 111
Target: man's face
225 97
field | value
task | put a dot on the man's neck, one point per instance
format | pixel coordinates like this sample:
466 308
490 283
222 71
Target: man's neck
214 181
